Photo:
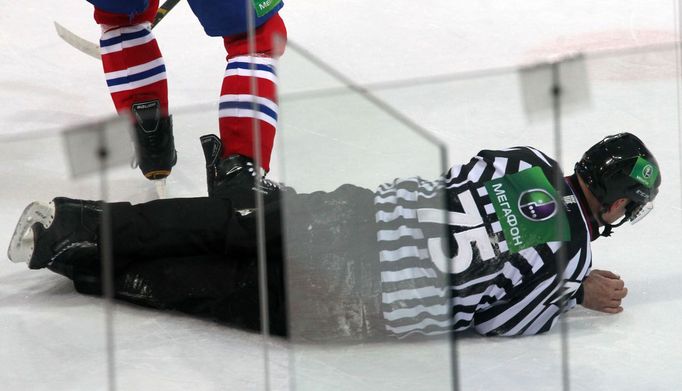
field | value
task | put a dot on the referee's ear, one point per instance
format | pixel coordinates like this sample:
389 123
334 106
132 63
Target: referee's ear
620 203
616 210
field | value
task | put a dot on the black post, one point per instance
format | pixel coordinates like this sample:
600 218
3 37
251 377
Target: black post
107 259
556 92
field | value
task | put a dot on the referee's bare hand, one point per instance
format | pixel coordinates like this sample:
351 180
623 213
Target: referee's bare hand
604 291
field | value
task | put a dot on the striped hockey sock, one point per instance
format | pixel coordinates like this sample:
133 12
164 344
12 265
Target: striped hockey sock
133 66
238 106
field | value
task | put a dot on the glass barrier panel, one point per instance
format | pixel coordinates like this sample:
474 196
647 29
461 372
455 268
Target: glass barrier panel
365 197
488 112
50 333
187 307
636 92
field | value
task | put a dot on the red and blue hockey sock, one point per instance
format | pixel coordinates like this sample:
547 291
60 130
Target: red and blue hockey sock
132 61
133 66
238 105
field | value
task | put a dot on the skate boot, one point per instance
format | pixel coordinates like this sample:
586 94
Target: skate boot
56 234
234 177
154 144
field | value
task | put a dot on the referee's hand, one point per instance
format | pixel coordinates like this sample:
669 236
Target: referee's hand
604 291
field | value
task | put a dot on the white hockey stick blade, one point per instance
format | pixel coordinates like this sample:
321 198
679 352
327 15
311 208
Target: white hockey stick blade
21 246
85 46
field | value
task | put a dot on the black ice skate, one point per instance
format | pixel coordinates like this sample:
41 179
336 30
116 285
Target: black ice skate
154 144
234 177
54 234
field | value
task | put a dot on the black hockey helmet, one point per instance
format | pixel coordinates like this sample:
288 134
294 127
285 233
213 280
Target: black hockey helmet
621 166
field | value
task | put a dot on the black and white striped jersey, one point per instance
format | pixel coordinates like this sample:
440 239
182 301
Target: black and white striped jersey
446 238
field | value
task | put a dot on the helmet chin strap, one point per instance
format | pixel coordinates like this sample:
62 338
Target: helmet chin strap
608 228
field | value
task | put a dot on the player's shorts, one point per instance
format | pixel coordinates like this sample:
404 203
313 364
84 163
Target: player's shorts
219 18
127 7
124 12
229 17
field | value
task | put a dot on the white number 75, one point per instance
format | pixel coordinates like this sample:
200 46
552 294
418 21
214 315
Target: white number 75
465 253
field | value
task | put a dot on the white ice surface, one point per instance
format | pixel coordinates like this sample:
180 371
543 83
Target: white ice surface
51 338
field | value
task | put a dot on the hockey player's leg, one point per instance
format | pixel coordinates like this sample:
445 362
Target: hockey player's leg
123 10
239 104
175 227
233 177
58 234
136 77
220 287
231 171
334 283
190 284
51 233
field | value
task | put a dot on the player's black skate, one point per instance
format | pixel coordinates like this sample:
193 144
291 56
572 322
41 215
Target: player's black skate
154 142
234 177
54 234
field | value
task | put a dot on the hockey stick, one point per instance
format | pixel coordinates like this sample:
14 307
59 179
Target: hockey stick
92 49
163 10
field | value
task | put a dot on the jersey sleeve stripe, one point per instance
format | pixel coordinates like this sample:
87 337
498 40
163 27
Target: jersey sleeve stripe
531 256
419 326
410 294
524 165
408 274
400 232
409 313
474 175
403 252
540 155
540 322
500 165
499 320
398 212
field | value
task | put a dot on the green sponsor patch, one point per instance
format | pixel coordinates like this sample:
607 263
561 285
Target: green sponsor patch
644 172
262 7
528 208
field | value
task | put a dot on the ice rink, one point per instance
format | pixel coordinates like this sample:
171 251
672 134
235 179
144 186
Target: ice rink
449 68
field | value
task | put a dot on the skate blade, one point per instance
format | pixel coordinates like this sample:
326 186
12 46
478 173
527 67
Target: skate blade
160 186
21 246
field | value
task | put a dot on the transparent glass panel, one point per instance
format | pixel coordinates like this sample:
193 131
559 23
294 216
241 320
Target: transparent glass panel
53 337
190 338
470 115
50 333
635 92
361 287
179 317
206 333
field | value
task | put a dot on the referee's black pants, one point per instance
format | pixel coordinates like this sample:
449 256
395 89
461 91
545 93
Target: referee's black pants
199 255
